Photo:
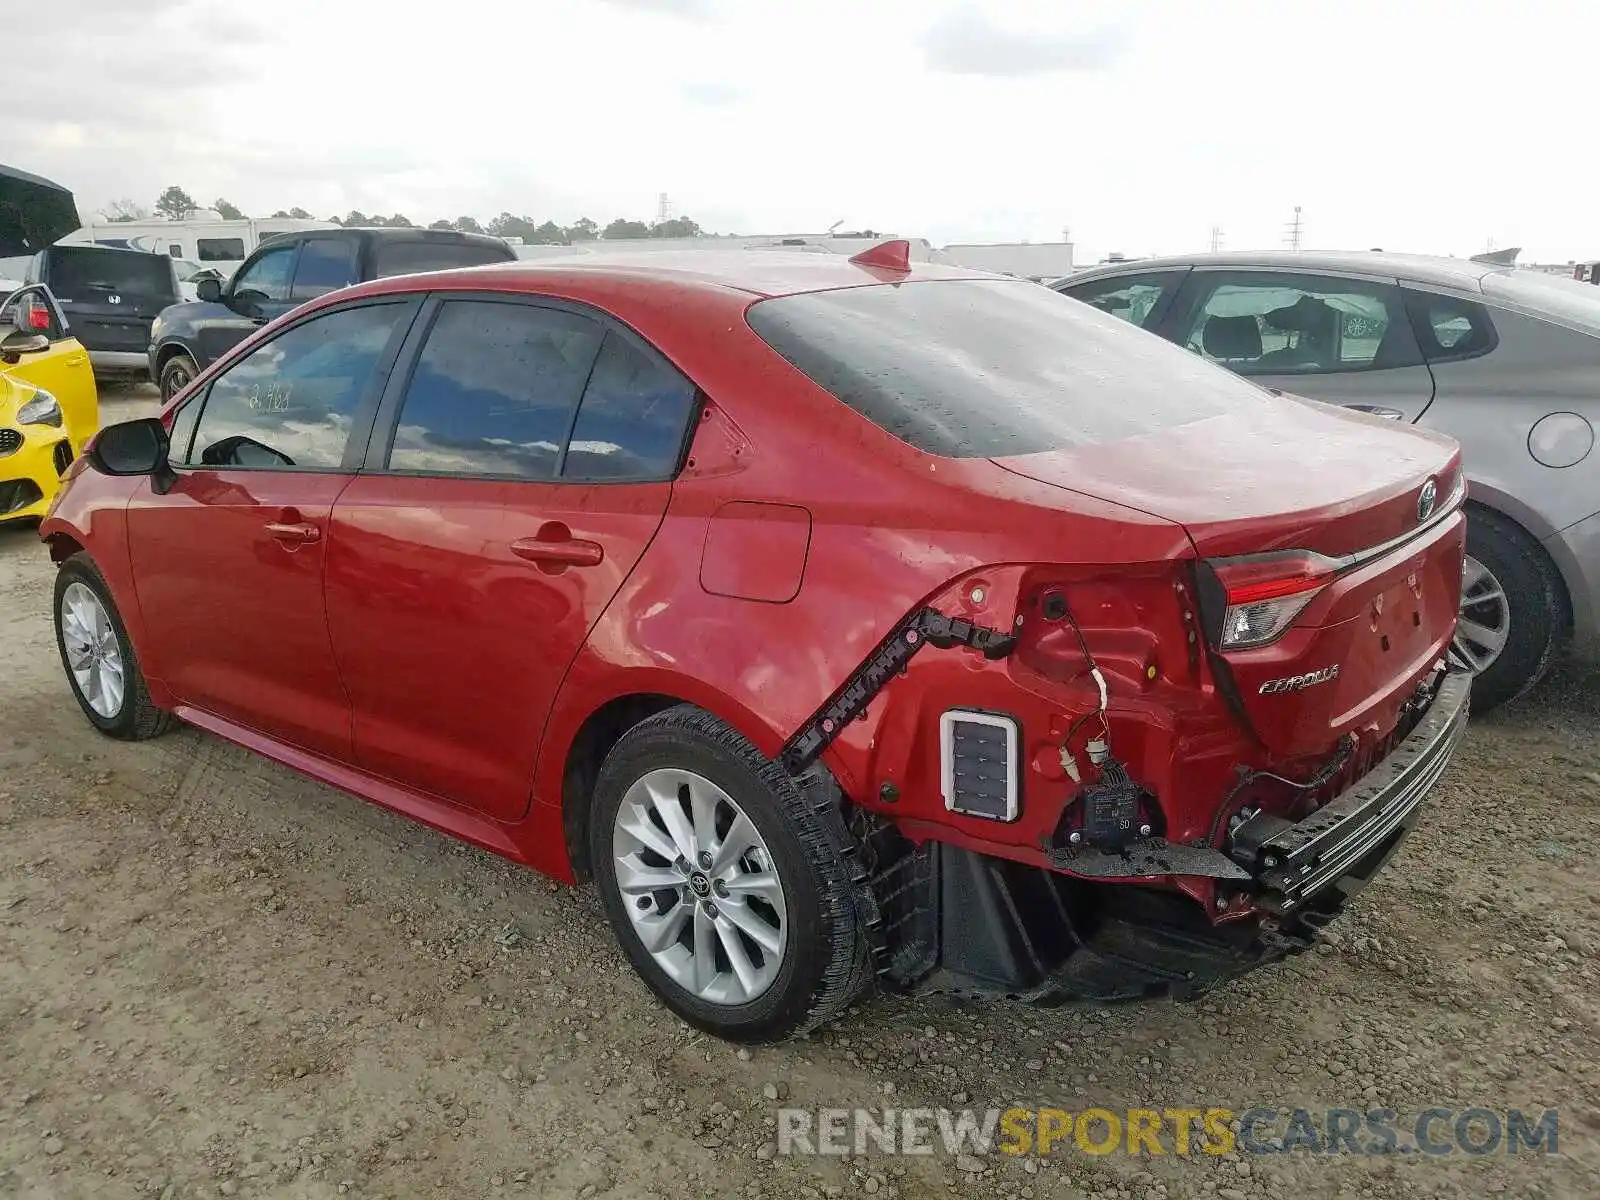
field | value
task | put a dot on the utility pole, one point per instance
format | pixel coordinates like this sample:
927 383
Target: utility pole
1216 238
1294 229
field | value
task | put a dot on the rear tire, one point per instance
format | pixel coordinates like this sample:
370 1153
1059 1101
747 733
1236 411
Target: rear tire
667 782
1530 622
98 658
176 374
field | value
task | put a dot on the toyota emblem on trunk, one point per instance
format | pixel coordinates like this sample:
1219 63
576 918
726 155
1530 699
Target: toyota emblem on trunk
1426 499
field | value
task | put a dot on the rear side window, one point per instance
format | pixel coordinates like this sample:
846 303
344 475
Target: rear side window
494 391
411 258
633 418
1449 328
86 274
220 249
974 368
1138 299
293 401
325 265
1286 323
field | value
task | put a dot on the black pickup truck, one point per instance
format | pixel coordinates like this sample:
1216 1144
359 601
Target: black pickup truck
289 270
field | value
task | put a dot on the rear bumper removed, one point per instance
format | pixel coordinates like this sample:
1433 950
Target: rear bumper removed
1344 842
952 920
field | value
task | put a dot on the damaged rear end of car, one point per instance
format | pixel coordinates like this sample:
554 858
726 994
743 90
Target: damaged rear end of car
1071 777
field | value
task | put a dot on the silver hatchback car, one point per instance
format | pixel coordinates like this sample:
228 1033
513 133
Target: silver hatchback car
1504 360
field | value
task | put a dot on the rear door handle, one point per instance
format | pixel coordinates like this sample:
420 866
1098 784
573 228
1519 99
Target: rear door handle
556 547
294 533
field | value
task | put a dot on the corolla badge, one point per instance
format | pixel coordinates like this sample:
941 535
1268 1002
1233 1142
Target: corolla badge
1299 683
1426 499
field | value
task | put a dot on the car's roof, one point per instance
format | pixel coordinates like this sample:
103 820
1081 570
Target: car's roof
757 272
410 233
1423 268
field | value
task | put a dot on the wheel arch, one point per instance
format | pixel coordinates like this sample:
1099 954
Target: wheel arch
1498 515
168 351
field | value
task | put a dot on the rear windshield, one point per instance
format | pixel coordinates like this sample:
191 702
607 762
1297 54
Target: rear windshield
981 368
1564 300
82 274
410 258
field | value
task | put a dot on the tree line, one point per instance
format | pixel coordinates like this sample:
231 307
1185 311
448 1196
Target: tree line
175 204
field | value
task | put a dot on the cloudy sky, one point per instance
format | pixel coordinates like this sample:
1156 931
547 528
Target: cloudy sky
1138 124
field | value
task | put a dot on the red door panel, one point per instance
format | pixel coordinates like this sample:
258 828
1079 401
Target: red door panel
228 566
456 606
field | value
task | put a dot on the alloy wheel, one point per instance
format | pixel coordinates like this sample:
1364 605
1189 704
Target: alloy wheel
94 655
699 886
175 380
1485 620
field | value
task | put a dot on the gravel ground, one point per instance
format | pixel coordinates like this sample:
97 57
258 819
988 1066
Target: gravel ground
219 978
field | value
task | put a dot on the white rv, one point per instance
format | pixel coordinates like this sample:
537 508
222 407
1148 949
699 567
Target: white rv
202 237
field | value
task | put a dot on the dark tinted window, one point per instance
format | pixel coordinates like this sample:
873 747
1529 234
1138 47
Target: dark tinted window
1138 299
325 265
1285 323
410 258
291 402
86 274
1449 327
220 249
267 278
493 390
972 368
632 421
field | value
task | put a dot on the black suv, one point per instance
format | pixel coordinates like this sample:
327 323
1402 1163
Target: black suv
110 297
286 272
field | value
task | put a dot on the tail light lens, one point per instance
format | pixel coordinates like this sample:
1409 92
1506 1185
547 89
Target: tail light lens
1260 595
38 318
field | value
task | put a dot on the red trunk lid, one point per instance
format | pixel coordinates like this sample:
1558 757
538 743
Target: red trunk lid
1297 475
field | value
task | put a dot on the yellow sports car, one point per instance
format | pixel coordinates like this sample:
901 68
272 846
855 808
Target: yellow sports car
48 404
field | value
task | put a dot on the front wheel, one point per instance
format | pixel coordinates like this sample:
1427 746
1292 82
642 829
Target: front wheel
98 658
1513 613
727 887
177 374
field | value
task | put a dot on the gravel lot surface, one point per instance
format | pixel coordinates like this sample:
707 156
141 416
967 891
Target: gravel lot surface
219 978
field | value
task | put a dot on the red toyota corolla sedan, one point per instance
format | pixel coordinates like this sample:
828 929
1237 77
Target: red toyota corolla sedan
842 619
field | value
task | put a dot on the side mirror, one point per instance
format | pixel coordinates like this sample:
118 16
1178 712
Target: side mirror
134 448
19 342
209 289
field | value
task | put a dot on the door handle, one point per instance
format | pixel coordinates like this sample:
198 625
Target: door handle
555 547
1377 410
294 533
77 360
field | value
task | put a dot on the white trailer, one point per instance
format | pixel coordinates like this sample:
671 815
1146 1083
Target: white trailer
1029 260
201 237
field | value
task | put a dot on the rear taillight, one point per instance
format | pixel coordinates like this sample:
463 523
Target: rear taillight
38 318
1258 596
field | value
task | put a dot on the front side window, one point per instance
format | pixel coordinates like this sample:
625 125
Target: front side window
292 402
633 417
494 390
220 249
1280 323
325 265
266 279
1138 299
